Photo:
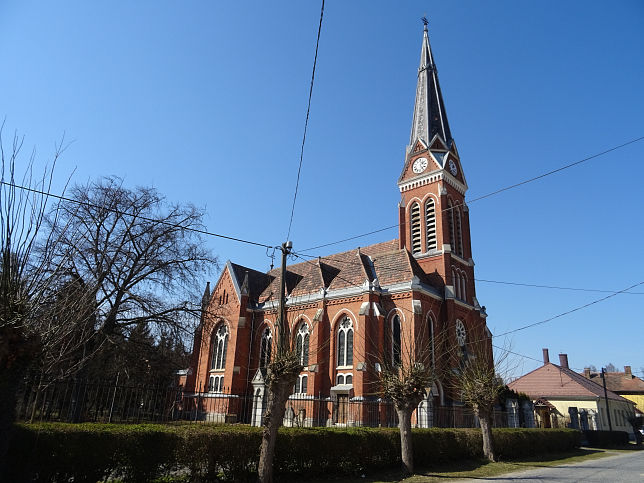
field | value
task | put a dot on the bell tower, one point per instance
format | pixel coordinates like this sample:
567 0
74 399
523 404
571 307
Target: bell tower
433 216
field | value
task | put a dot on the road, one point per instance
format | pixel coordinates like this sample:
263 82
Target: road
623 467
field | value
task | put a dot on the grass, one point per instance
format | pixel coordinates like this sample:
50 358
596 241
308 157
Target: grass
481 468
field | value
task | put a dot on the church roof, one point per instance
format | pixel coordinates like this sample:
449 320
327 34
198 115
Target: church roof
382 262
430 117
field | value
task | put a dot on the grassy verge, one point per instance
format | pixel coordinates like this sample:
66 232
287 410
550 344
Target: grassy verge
481 468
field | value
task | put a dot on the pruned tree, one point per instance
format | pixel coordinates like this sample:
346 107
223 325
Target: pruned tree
138 259
406 370
479 381
281 373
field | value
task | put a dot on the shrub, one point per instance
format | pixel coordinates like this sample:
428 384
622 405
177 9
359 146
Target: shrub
605 439
93 452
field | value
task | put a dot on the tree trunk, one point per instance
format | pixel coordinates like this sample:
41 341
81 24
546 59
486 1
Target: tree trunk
278 392
485 420
406 445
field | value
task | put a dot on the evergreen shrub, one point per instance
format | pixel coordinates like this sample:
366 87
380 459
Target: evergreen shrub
204 452
605 439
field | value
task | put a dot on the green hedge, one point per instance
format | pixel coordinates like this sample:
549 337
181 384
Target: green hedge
605 439
94 452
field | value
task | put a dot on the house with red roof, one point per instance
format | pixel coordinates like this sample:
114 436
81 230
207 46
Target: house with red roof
626 384
564 398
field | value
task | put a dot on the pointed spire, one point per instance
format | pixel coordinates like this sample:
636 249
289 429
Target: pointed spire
206 296
430 117
244 287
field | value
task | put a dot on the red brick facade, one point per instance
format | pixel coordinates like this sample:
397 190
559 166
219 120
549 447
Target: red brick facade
425 278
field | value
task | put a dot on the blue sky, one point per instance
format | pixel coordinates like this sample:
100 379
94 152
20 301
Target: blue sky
206 102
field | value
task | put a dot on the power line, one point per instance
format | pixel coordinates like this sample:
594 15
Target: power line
553 287
558 288
306 122
528 325
124 213
501 190
568 311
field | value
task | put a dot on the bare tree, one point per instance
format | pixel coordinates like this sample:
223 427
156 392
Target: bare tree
138 260
281 374
406 371
25 272
480 382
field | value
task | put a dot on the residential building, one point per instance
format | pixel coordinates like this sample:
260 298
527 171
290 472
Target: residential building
564 398
623 383
347 309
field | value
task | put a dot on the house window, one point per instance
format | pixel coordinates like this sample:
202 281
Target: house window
219 346
345 342
396 358
266 348
302 344
301 384
430 224
415 229
216 384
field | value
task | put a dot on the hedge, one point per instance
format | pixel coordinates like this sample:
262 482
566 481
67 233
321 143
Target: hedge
94 452
605 439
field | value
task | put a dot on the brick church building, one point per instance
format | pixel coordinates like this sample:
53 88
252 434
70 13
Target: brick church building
345 309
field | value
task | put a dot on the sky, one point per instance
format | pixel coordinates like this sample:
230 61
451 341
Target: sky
206 102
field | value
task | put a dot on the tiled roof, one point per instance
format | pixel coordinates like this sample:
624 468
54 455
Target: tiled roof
384 261
620 382
553 381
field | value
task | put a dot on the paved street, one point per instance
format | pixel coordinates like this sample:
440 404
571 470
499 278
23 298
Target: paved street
623 467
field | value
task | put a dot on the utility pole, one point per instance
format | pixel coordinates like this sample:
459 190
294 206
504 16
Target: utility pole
610 425
283 325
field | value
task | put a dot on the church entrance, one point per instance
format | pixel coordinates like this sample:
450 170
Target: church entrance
342 409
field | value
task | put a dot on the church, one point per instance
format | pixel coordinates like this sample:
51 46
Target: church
347 308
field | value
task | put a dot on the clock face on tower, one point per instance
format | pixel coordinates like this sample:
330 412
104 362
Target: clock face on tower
452 167
420 165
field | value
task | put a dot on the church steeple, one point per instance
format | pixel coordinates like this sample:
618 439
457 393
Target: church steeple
430 117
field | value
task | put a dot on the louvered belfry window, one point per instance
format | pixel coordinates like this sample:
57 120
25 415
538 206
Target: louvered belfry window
430 224
416 246
459 233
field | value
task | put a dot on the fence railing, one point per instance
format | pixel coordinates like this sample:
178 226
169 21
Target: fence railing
80 401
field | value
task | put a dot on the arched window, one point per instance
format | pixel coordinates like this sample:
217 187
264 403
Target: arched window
219 346
450 222
461 335
396 357
430 224
301 384
459 232
463 287
216 384
345 342
302 344
416 246
266 348
456 284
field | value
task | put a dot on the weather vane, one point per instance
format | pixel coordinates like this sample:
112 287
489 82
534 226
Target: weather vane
425 21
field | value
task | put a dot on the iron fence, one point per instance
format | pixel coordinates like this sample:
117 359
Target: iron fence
81 401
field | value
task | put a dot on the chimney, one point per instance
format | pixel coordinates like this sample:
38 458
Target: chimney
628 372
587 372
563 361
546 357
